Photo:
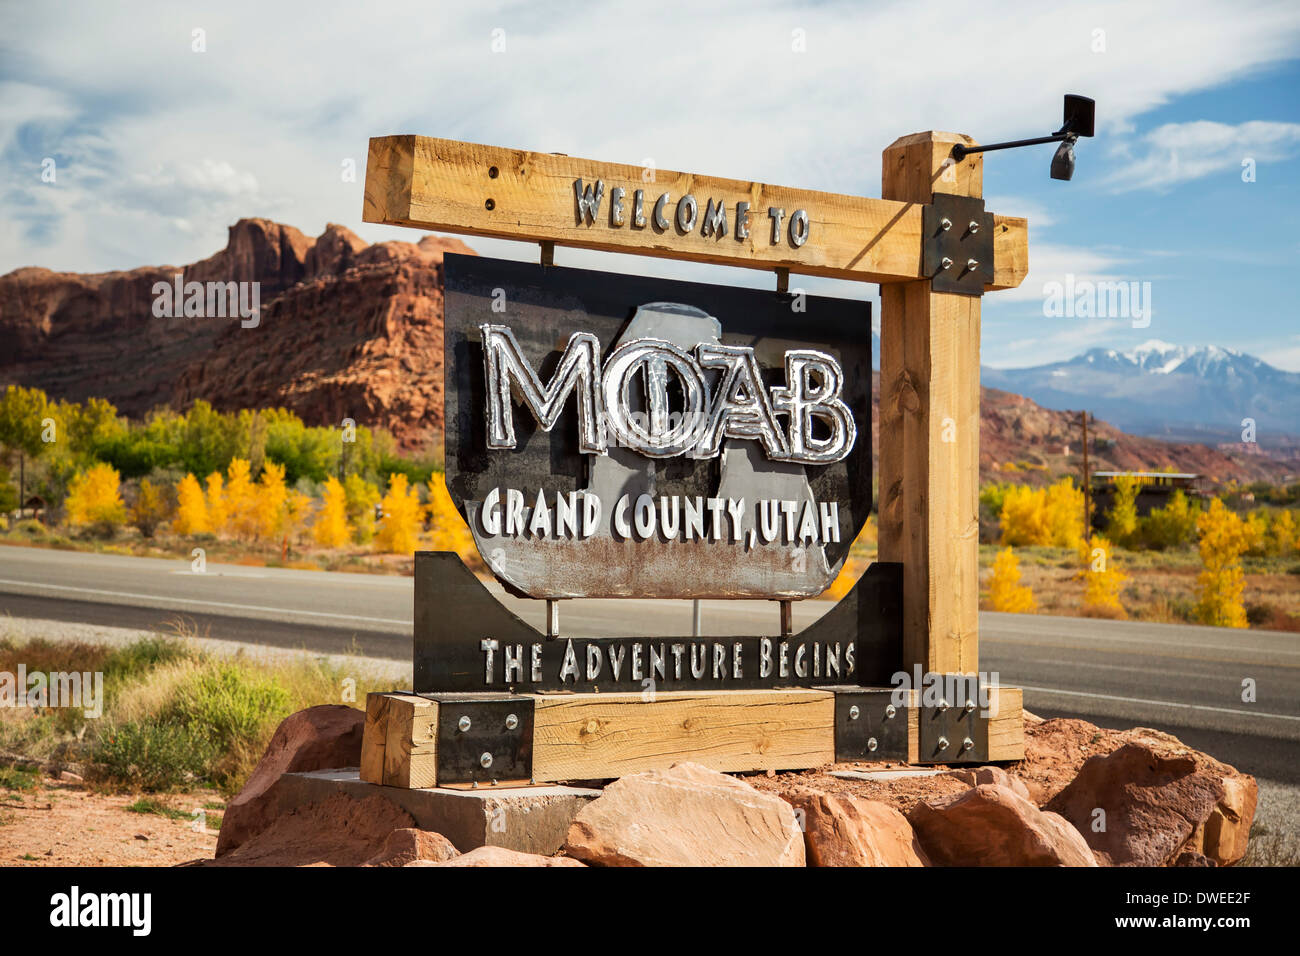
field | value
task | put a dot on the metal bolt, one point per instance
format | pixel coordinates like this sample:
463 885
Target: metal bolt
945 224
974 226
512 722
947 263
943 705
967 744
971 264
485 761
889 711
853 712
871 744
943 743
463 724
970 705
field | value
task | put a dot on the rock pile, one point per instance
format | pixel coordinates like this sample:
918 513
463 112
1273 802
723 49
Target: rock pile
1082 797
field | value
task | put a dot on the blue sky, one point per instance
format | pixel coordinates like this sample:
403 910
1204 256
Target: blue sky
158 147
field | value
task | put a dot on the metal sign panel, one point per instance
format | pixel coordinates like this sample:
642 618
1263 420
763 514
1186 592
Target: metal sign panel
467 641
621 436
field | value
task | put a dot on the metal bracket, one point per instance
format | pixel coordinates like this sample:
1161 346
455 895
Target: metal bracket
484 739
868 725
951 729
957 244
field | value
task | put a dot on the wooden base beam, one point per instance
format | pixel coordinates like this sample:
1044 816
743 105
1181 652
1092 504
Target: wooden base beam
604 736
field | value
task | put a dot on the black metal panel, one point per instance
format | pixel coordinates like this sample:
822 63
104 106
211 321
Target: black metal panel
543 307
484 739
455 613
957 244
953 730
869 725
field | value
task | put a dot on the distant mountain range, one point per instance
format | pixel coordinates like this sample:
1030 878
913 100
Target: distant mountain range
1168 391
351 330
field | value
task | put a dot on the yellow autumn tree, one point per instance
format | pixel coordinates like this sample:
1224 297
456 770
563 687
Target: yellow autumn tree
191 509
1219 586
241 500
1103 580
1122 522
447 528
1006 593
1024 516
399 527
1171 525
1063 504
150 508
858 561
298 511
1282 536
331 528
1042 516
361 498
1257 525
218 514
95 501
270 500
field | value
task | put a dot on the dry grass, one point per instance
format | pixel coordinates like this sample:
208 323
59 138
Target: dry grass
175 715
1161 585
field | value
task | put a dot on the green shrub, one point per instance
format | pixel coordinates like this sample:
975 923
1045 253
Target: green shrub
228 704
19 778
140 657
151 756
150 805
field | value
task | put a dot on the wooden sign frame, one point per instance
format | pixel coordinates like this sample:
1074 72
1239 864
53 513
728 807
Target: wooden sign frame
929 377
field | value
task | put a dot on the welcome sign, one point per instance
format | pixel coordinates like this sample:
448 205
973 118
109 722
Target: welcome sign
619 436
614 436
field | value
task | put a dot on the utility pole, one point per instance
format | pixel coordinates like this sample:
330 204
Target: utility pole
1087 484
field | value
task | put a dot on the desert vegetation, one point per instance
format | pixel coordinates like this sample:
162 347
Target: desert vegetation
175 716
252 486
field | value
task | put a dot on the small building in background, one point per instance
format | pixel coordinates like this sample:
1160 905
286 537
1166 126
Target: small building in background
1157 487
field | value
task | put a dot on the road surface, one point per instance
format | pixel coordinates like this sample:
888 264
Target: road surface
1183 679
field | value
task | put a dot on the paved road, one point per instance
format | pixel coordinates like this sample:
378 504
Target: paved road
1187 680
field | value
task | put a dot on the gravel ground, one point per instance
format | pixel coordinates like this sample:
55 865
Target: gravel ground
1275 835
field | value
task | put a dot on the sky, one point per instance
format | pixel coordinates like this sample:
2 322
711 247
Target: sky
1191 184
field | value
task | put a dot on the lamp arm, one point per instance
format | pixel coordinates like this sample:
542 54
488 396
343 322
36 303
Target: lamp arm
959 151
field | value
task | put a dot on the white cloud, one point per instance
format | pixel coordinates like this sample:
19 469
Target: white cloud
281 97
1053 262
1180 152
1054 341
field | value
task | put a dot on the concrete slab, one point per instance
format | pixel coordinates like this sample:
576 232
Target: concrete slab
527 819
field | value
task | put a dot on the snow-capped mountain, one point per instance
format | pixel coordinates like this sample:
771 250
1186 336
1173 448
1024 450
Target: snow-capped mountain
1167 390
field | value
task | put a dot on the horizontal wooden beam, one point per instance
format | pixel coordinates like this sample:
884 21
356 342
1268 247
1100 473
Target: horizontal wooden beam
449 186
590 736
602 736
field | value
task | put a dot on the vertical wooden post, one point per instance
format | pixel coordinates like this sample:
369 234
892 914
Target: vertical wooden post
929 427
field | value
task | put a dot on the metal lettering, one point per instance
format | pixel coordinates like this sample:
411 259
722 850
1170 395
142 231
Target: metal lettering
509 372
715 220
616 206
799 228
661 221
588 200
803 401
687 210
741 408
